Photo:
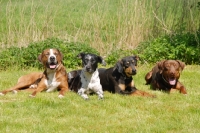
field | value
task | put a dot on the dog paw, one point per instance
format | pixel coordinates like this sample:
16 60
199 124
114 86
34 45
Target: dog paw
31 96
100 97
14 92
1 94
60 96
33 86
86 99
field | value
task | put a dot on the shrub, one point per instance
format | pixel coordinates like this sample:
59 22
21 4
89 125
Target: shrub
27 56
184 47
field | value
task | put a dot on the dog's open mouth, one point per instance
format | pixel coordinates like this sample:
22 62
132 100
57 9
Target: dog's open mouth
172 81
52 65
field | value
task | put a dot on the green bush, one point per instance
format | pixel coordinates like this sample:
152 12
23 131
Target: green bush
184 47
28 56
116 55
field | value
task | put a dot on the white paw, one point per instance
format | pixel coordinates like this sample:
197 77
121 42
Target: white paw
1 94
84 96
100 97
33 86
60 96
31 96
14 92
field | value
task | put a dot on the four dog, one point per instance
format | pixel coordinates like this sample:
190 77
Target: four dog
118 79
53 77
87 80
164 76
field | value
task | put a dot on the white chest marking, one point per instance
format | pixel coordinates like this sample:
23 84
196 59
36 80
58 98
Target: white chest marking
90 81
51 83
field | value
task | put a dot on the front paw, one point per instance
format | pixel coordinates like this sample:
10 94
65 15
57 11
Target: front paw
2 94
31 96
60 96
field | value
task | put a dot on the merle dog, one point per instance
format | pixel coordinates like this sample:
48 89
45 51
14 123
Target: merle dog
87 80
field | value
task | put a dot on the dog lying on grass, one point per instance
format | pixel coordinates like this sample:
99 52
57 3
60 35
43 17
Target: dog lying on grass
165 76
53 77
87 80
118 79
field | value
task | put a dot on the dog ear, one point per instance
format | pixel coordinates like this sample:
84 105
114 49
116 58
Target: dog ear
80 55
160 65
61 55
40 58
136 58
181 64
101 60
119 67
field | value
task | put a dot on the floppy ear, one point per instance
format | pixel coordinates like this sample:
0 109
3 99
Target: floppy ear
136 58
160 65
40 58
101 60
80 55
119 67
181 64
61 55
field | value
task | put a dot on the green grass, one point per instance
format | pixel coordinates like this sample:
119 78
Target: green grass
114 114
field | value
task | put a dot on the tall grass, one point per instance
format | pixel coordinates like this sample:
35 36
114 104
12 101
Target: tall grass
104 24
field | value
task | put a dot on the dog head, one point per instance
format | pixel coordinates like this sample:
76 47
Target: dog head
127 65
90 61
170 70
50 58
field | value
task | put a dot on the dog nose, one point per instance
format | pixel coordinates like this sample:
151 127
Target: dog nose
52 58
87 68
134 71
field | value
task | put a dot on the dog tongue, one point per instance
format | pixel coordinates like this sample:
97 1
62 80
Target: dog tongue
52 66
172 81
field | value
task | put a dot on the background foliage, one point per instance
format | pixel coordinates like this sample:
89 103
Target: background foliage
182 46
105 25
25 57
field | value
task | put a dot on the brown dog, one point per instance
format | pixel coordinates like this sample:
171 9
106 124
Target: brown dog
53 77
165 75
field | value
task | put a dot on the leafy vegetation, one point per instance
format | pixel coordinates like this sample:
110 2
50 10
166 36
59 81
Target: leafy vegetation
25 57
104 24
184 47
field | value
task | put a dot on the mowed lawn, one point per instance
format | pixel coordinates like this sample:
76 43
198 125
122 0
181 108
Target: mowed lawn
168 113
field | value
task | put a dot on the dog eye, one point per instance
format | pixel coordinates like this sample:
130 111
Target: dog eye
47 54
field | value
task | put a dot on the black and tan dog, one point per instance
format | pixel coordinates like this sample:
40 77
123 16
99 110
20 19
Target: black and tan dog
165 75
118 79
54 76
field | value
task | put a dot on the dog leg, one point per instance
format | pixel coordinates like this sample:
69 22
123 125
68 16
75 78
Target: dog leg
148 77
14 89
181 88
100 94
82 93
62 91
99 91
41 87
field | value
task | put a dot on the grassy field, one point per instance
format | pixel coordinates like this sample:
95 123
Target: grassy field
115 114
104 24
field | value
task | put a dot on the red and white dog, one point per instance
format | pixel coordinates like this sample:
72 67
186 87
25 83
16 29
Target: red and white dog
54 76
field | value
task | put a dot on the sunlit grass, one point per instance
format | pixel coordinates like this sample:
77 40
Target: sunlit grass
47 113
